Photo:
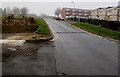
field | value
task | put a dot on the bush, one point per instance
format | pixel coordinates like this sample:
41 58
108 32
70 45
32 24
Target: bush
114 25
104 24
96 22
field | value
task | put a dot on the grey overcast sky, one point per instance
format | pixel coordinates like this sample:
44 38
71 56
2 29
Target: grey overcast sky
47 7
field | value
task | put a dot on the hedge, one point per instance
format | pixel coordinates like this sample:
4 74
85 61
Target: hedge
113 25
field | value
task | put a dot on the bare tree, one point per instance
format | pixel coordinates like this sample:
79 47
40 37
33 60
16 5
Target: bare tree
16 11
1 12
57 12
8 11
24 11
4 12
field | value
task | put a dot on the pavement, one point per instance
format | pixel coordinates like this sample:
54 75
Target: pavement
71 52
80 53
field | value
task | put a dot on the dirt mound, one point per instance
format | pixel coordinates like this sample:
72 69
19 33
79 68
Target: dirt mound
13 24
19 29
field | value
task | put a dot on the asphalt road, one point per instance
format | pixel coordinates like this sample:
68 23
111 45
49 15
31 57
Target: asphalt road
73 53
80 53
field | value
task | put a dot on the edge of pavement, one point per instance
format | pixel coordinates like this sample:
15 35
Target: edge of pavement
52 38
93 34
53 33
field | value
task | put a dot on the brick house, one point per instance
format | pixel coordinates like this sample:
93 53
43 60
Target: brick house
74 12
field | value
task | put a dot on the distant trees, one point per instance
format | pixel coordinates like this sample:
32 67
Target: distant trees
4 13
8 11
32 15
24 11
1 12
15 11
57 12
43 15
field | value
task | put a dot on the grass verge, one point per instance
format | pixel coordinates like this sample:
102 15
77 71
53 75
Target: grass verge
43 28
98 30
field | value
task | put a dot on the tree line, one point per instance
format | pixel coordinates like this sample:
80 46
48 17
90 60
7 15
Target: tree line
16 11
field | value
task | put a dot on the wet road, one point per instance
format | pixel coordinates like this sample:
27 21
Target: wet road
79 53
73 53
29 59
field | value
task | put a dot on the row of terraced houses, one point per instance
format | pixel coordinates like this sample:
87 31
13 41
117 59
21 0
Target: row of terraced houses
74 12
108 13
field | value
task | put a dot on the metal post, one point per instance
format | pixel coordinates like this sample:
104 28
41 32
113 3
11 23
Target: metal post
74 8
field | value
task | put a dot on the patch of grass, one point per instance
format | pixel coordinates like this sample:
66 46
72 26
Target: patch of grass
98 30
43 27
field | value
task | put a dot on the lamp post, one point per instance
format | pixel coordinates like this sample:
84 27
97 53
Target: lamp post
74 9
73 5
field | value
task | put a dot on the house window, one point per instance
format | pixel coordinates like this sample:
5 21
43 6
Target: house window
73 10
110 11
100 11
80 10
85 11
68 9
79 14
67 13
86 14
73 13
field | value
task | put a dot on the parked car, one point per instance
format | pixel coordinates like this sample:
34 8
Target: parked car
58 18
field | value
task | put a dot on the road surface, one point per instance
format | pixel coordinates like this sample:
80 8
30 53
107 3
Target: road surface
73 53
80 53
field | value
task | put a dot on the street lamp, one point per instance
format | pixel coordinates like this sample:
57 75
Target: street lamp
73 5
74 9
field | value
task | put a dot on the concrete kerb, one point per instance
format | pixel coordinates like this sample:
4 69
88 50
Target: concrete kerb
93 34
47 39
53 33
40 40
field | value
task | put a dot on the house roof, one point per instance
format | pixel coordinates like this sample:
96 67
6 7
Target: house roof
116 7
74 8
